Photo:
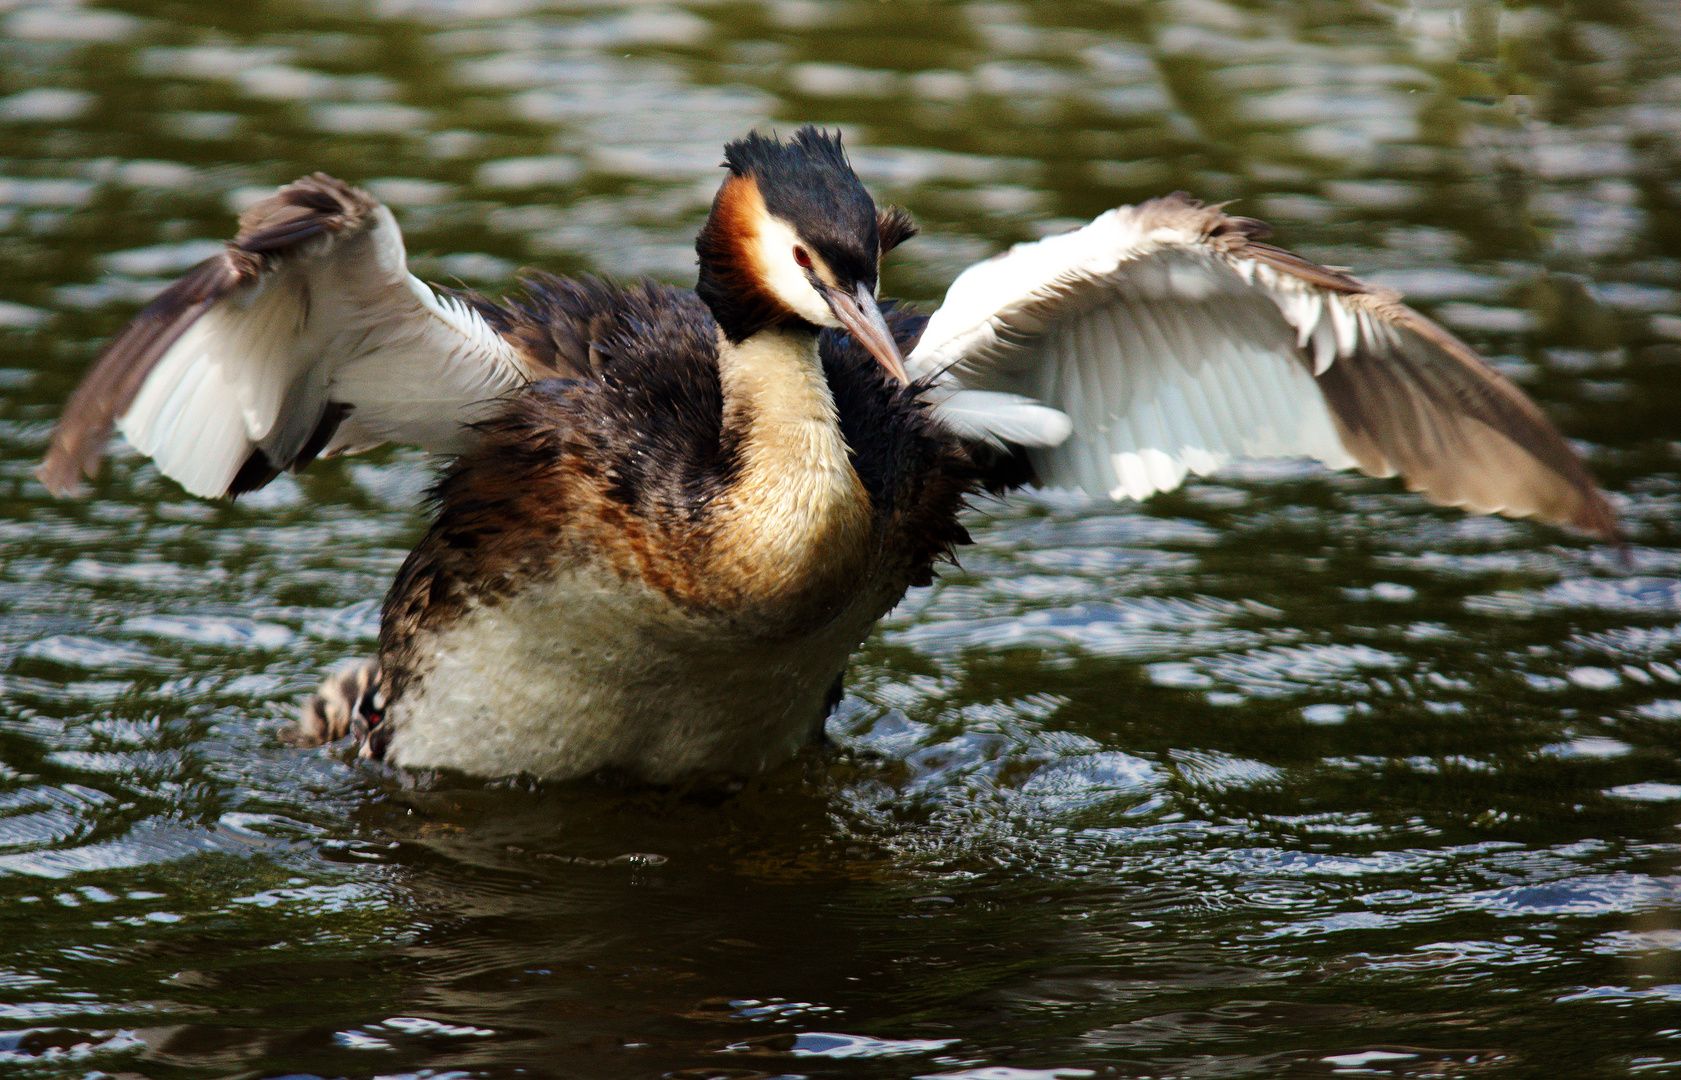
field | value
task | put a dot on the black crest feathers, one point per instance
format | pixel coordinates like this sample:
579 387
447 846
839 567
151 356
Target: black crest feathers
808 183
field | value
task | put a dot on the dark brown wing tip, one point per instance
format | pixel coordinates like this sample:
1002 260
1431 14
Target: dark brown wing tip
1578 505
61 473
1526 424
1419 402
1596 516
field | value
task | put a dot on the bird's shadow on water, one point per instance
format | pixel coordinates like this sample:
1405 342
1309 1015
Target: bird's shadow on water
521 825
560 926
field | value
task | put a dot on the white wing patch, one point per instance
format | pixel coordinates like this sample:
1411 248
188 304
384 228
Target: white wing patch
993 417
1166 355
217 392
1155 394
339 320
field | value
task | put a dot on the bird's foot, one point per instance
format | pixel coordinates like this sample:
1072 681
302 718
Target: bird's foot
350 702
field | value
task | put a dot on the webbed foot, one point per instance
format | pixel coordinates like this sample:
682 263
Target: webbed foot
350 702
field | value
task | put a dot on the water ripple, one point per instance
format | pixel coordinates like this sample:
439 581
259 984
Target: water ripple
1286 772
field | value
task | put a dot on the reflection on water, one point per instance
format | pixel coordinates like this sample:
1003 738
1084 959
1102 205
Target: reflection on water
1282 774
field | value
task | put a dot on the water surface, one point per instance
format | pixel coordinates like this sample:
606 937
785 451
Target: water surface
1283 774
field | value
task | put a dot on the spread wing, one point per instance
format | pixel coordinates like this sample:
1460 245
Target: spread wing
1166 338
307 335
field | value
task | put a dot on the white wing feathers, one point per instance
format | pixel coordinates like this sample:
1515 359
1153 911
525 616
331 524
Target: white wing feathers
1159 340
308 335
998 418
1173 341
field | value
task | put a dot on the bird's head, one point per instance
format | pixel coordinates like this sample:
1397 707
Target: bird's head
794 238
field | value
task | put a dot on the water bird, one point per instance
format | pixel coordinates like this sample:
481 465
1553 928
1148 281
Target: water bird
669 516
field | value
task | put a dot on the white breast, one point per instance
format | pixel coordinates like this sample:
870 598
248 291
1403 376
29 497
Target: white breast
584 674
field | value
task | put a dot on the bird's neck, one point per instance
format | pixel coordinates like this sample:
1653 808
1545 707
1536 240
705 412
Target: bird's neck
794 525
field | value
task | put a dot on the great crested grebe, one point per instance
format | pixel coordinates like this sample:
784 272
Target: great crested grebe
672 515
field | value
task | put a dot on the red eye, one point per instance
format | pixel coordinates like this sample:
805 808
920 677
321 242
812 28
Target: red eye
802 256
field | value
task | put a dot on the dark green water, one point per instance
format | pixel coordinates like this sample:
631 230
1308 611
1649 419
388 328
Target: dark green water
1285 774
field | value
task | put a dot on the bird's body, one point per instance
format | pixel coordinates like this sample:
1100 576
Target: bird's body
674 514
627 574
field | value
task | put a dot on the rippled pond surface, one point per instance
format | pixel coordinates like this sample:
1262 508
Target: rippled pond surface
1284 774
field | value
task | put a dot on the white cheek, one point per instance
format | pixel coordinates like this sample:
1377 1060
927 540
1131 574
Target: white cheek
786 278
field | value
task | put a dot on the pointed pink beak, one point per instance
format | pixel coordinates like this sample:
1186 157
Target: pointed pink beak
860 314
